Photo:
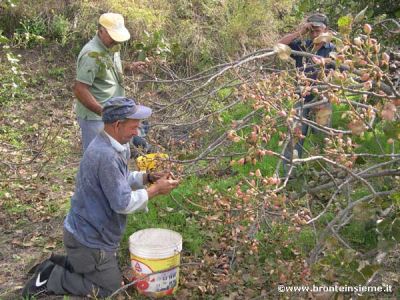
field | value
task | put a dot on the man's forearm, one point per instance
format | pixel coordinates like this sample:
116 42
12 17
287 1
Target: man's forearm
287 39
152 191
301 30
84 96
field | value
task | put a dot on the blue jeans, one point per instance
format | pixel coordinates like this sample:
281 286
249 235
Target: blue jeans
89 130
298 146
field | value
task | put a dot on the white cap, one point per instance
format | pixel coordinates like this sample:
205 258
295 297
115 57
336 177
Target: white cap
114 24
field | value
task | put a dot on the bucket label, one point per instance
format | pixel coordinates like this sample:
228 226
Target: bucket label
163 283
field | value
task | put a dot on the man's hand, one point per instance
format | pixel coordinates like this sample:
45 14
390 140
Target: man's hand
82 92
154 176
136 67
304 28
163 186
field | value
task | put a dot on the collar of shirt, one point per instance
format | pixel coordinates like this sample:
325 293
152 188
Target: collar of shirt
116 145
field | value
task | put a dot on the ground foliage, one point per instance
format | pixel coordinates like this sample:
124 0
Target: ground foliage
246 227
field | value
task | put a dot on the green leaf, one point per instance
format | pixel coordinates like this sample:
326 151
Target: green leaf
115 48
348 255
102 71
358 277
384 227
94 54
360 16
344 24
369 270
391 129
395 197
138 46
354 265
142 56
396 229
3 39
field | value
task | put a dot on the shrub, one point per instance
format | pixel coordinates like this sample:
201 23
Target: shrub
30 32
12 78
60 29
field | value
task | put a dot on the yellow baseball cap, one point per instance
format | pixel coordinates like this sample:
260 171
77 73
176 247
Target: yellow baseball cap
114 24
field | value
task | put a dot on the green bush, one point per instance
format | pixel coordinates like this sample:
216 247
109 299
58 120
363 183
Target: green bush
12 78
60 29
153 45
192 35
30 32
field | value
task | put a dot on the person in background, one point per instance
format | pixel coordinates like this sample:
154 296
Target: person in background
302 39
105 193
141 146
99 74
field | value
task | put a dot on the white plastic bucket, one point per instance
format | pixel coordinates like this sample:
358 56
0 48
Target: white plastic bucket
156 250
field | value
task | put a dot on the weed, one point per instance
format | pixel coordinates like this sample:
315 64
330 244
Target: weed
12 78
30 32
306 240
61 29
14 208
57 72
153 45
12 136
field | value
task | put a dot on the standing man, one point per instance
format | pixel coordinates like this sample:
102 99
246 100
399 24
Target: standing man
303 40
103 197
99 75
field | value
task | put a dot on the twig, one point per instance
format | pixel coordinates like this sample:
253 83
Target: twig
318 248
144 276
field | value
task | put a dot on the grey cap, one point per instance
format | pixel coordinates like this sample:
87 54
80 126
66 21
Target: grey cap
318 20
121 108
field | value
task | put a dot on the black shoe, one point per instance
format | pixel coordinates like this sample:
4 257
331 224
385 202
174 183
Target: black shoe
38 283
57 259
60 260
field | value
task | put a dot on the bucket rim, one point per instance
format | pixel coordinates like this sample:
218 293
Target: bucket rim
156 246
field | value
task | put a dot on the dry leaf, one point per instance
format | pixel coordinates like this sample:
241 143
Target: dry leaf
283 51
357 127
389 112
325 37
323 116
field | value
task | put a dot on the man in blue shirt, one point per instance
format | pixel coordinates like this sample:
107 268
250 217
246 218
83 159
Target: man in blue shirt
303 40
106 191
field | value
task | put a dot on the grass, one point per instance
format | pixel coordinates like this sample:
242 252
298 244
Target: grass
16 208
11 135
164 212
57 72
361 235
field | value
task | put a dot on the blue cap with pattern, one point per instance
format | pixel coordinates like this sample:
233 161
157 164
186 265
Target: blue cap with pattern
121 108
318 20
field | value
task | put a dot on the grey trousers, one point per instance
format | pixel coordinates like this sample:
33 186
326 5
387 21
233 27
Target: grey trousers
87 271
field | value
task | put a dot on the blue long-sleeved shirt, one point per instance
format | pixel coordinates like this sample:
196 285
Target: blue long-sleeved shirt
104 195
304 63
307 46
